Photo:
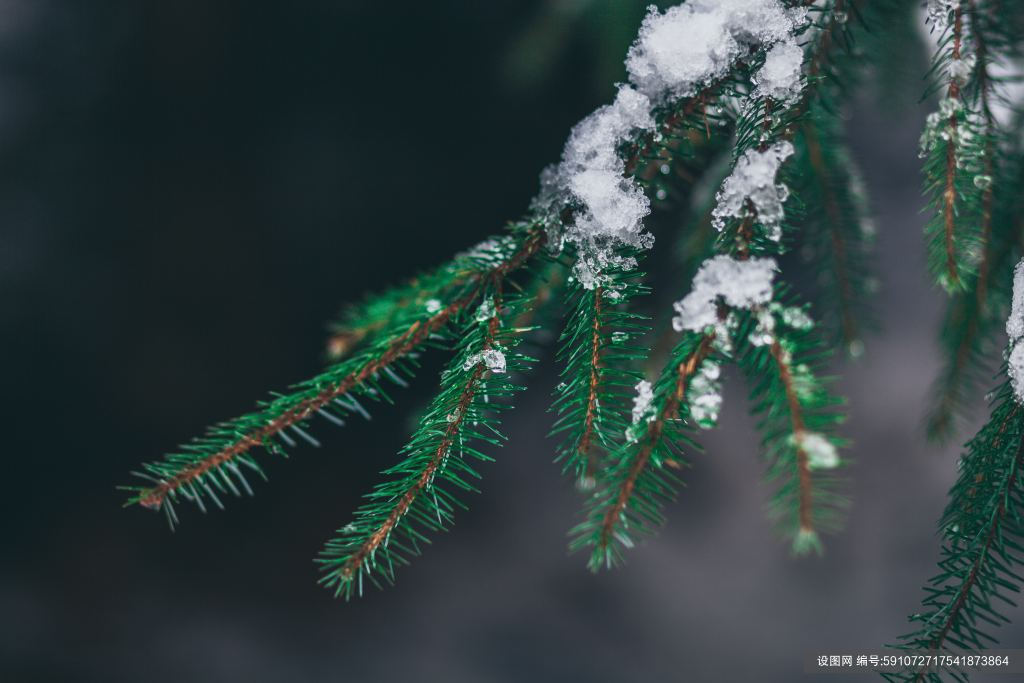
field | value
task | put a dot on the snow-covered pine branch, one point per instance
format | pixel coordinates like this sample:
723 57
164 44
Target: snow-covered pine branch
745 96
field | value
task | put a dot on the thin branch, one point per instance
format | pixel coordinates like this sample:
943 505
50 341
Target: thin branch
971 578
379 536
584 448
668 411
415 335
949 194
848 324
806 495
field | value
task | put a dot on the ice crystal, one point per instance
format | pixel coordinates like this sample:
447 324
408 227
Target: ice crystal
610 207
939 11
492 359
486 310
741 284
642 400
794 316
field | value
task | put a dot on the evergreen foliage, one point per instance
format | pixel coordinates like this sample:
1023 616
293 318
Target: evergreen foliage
626 458
758 117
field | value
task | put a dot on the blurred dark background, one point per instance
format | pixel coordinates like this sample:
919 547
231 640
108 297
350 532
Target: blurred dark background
189 190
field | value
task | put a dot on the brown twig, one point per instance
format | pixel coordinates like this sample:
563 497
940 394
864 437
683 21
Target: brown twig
584 450
949 194
415 335
972 576
684 371
805 497
814 152
356 560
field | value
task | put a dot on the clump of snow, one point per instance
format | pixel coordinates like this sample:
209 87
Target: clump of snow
642 409
674 54
821 453
1015 331
642 400
611 206
753 180
432 305
691 44
492 359
779 78
705 395
939 11
741 284
764 333
960 69
795 317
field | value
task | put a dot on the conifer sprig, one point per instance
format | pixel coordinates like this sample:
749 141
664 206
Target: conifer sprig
212 463
954 147
599 353
982 529
780 87
417 497
973 316
836 230
782 360
629 502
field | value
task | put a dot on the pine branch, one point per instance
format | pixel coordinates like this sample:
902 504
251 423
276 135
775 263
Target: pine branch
598 354
629 501
637 483
389 528
835 228
981 528
798 419
211 463
953 145
970 329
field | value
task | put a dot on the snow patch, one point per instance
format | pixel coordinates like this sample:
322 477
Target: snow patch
821 453
691 44
675 53
741 284
779 78
1015 331
753 179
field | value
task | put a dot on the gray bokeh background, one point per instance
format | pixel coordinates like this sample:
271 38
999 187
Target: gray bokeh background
188 190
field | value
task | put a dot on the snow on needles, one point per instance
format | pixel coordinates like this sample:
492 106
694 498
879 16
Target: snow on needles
779 78
691 44
675 53
741 284
1015 331
753 178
